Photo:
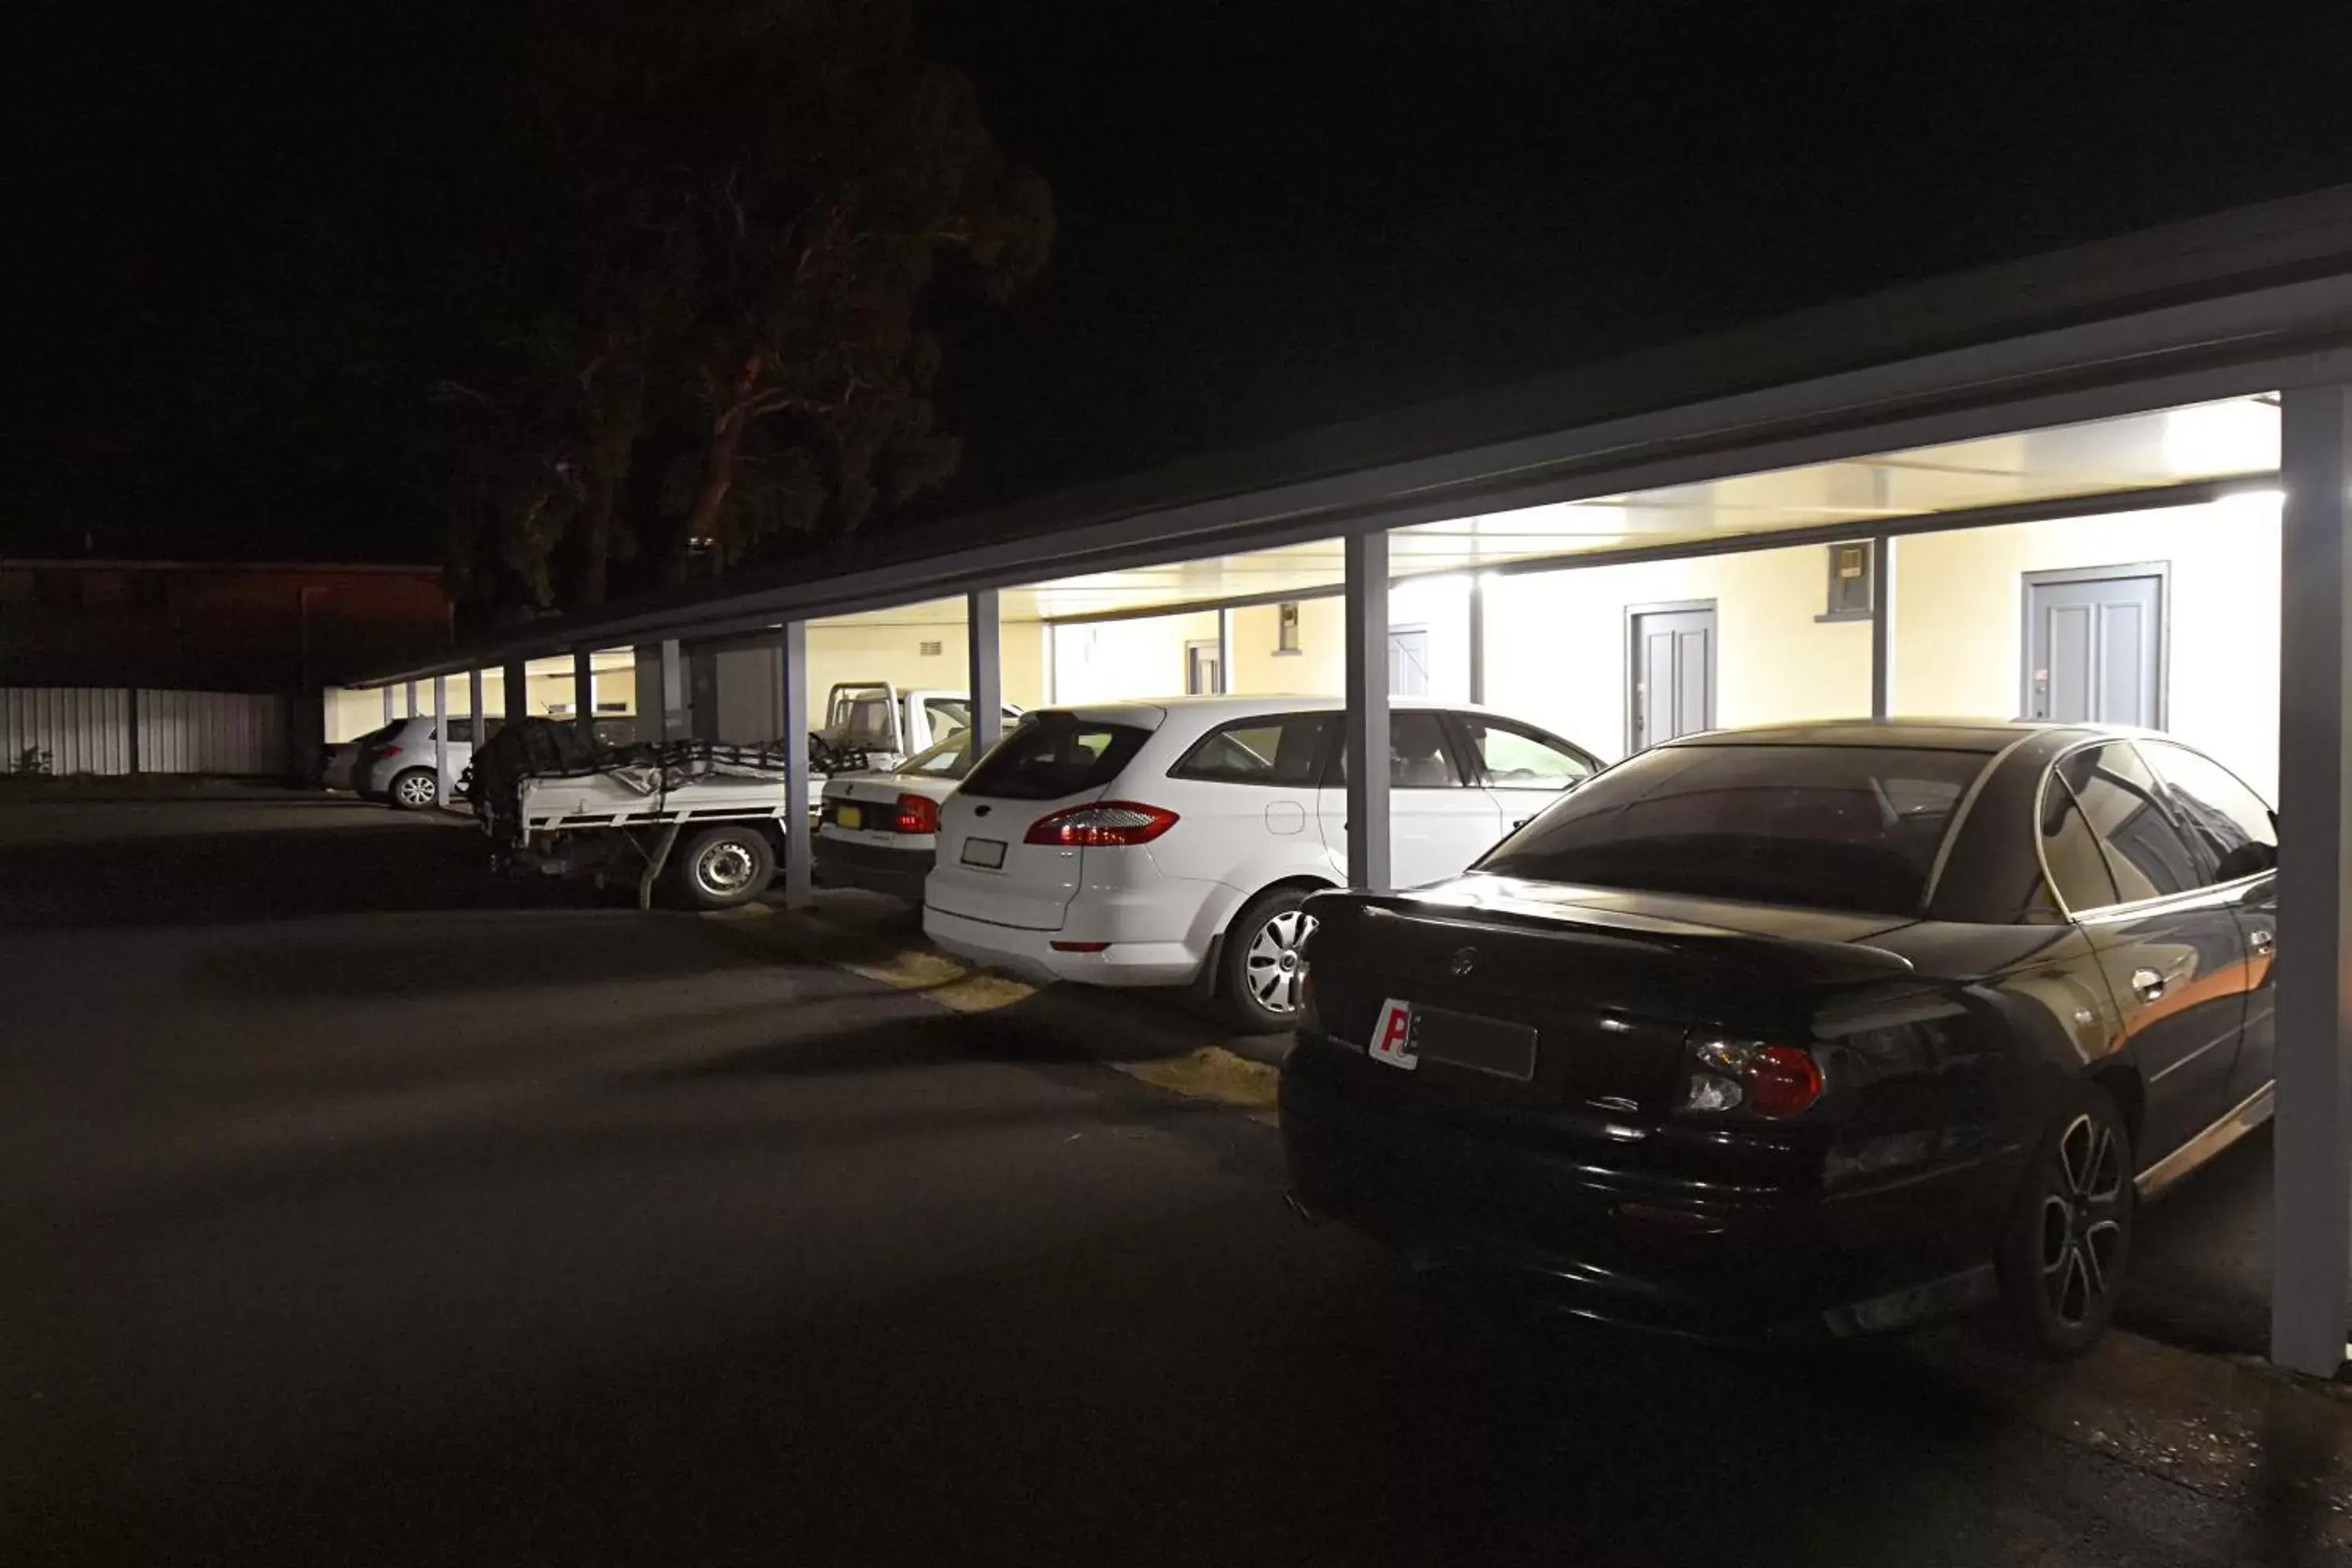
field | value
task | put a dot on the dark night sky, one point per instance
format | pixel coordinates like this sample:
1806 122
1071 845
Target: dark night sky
1274 215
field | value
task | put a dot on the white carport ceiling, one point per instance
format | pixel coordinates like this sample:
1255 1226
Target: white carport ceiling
2145 451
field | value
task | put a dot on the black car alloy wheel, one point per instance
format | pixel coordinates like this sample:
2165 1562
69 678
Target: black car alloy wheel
2069 1245
2082 1221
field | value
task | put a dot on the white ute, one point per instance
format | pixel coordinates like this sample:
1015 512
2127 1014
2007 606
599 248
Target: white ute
1172 843
890 725
706 820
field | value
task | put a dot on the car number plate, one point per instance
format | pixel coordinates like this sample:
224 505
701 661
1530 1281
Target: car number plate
1404 1035
986 853
848 817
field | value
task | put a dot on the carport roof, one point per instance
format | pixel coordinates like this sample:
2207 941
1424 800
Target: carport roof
2215 309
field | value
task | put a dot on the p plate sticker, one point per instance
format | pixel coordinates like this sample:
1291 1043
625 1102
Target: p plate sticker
1392 1036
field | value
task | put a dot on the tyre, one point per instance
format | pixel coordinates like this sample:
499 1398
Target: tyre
720 868
416 790
2067 1243
1260 962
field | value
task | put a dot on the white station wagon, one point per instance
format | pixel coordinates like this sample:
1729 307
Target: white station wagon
1171 843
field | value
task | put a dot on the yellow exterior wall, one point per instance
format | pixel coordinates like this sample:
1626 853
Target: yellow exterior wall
1558 642
1022 662
1960 613
1117 662
351 712
893 652
1319 668
1441 607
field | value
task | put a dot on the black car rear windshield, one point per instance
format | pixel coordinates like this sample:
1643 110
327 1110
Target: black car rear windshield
1057 754
1837 827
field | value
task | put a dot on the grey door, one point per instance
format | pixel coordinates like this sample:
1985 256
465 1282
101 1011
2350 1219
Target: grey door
1674 675
1203 668
2093 648
1409 661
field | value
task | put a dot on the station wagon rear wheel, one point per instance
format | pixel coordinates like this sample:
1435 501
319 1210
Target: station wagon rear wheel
1262 961
2068 1245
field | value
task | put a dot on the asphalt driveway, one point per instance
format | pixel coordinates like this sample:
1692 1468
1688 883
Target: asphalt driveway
358 1208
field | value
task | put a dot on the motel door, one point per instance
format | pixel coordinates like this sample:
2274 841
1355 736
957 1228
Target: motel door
1674 675
2093 651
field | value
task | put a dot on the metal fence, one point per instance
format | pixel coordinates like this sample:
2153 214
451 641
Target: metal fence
113 730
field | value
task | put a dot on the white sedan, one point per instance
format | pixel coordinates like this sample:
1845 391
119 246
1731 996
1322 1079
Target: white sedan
1168 843
877 831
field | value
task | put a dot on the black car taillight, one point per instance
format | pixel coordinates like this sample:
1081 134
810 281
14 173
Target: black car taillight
1767 1081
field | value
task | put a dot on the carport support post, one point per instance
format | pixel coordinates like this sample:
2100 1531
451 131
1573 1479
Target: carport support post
583 693
1225 651
987 669
674 724
1367 712
474 705
514 691
2311 1254
388 714
798 847
1477 638
1882 627
413 709
440 740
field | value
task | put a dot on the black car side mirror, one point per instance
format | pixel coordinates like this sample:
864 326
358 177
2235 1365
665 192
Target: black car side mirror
2248 861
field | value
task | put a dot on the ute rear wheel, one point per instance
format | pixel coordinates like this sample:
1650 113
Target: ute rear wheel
2067 1245
721 867
1263 961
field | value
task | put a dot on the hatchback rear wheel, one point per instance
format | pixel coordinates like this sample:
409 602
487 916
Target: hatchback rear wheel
1264 960
416 790
2068 1245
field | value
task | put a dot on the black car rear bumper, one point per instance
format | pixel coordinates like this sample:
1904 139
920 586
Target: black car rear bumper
1561 1225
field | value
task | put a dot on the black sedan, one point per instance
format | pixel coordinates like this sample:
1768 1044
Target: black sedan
1822 1028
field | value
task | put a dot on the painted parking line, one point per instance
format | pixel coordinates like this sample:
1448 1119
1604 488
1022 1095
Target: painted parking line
1207 1072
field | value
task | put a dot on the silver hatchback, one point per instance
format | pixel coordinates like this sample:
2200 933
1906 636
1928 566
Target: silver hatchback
397 764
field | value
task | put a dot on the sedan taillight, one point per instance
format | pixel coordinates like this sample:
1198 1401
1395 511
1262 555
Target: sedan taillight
918 813
1107 824
1776 1081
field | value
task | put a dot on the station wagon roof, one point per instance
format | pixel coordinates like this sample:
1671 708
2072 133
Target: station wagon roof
1158 709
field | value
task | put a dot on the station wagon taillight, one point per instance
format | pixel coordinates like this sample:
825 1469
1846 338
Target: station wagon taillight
1107 824
918 813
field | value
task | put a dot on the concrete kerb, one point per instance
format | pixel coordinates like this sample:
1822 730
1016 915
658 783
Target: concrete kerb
1164 1040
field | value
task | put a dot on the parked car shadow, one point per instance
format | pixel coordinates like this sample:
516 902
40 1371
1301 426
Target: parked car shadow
2201 1260
297 873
